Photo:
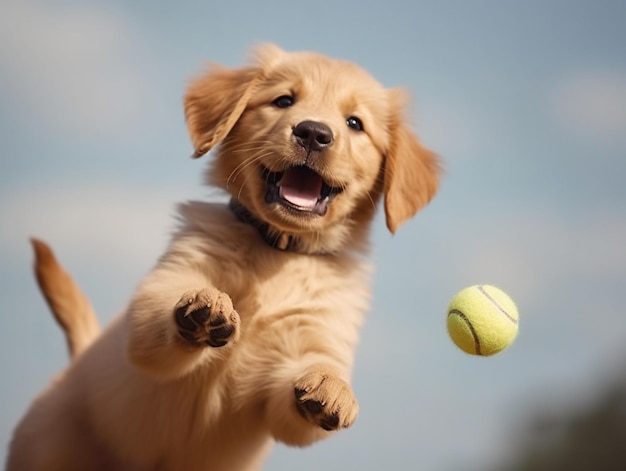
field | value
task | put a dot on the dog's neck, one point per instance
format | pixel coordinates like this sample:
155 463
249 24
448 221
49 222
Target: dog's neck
276 239
298 243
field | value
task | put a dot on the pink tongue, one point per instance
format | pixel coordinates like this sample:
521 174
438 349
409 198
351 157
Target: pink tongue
301 187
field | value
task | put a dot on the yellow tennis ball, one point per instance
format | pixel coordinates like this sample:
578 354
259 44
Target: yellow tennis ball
482 320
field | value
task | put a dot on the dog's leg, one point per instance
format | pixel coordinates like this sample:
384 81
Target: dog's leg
172 329
317 401
52 437
324 399
60 451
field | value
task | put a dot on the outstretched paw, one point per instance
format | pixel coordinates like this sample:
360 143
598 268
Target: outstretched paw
325 400
207 317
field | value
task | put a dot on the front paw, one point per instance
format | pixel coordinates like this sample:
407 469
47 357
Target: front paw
207 317
326 400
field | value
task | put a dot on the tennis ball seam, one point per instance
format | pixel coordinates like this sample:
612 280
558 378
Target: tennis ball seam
465 319
481 288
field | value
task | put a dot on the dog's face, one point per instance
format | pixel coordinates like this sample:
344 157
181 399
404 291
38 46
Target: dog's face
308 144
308 148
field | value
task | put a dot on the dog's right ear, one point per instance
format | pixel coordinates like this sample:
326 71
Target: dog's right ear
215 101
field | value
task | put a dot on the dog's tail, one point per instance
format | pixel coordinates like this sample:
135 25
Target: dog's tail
71 308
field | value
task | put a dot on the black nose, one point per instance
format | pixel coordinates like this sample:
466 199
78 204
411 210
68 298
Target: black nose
313 135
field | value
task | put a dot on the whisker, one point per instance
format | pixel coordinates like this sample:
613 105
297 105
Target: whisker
243 184
369 197
236 144
250 146
245 164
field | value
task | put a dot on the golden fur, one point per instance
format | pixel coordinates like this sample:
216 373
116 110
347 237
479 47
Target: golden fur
229 343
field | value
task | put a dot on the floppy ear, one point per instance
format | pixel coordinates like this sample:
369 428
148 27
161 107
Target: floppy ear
411 172
215 101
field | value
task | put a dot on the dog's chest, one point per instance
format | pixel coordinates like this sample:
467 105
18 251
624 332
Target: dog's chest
302 286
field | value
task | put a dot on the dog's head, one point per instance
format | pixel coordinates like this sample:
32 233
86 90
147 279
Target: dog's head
308 145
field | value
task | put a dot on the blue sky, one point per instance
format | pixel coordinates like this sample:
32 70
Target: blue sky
524 100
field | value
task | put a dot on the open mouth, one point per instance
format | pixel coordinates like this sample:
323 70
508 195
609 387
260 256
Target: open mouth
299 188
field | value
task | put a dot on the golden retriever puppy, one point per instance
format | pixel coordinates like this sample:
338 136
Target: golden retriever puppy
245 330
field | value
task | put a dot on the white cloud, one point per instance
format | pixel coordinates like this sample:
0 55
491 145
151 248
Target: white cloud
450 130
568 268
593 105
531 252
72 65
130 225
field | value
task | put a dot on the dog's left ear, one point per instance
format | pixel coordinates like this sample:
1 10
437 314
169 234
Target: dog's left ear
411 172
215 101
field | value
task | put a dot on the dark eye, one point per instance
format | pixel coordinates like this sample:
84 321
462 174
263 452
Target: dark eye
284 101
354 123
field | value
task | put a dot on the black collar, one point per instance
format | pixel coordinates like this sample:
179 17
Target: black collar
273 238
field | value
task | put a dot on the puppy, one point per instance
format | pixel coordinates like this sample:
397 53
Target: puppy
245 330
